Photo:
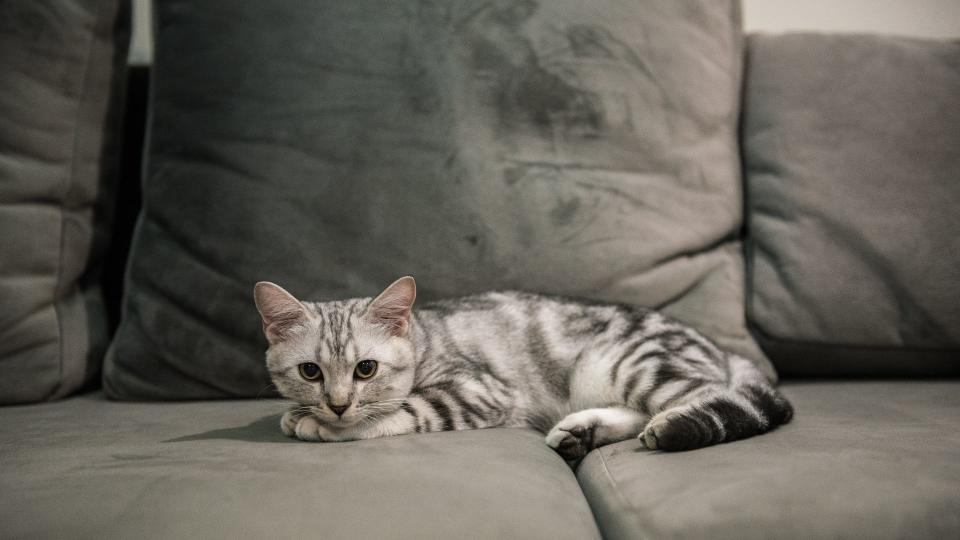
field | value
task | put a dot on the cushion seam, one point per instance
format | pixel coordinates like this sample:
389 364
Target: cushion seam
757 327
625 502
71 178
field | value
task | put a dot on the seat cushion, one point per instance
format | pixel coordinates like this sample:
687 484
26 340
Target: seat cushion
859 460
89 468
852 152
63 63
578 148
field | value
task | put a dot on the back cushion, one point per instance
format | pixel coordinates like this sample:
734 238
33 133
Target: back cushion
852 147
63 63
567 147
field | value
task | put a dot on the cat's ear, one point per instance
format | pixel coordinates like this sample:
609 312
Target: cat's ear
279 310
392 307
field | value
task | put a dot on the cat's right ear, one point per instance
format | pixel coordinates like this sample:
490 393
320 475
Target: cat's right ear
392 308
279 310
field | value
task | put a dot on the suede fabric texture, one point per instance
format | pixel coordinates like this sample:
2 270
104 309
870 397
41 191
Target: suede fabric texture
585 149
860 460
63 63
852 157
91 468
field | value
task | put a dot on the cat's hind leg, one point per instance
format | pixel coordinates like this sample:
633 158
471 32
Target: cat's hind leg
745 406
578 433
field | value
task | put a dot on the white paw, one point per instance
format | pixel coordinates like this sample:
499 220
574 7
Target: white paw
576 423
307 429
579 433
288 423
555 436
573 436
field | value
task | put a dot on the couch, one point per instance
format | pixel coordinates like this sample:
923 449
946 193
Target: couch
792 195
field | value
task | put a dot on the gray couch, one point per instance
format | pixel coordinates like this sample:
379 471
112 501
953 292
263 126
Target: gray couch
860 460
795 196
221 469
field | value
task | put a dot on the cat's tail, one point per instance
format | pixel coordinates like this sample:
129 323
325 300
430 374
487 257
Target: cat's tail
744 406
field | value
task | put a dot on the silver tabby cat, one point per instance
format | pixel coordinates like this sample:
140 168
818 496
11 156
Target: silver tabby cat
586 374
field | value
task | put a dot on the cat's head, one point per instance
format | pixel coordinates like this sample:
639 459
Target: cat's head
345 361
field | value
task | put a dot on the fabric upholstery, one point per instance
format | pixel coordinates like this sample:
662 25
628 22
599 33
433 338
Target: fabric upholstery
91 468
60 95
852 156
585 149
860 460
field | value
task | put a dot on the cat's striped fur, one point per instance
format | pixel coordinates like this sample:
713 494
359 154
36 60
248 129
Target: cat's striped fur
586 374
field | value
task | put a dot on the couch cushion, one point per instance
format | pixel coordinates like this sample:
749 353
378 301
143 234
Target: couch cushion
852 152
580 148
62 63
89 468
860 460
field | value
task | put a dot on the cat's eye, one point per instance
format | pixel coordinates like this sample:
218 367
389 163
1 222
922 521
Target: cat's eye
310 371
365 369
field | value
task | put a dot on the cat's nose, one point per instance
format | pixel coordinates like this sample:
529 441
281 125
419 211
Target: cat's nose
339 409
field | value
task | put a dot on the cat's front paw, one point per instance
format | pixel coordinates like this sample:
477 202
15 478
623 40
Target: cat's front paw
299 424
308 429
288 423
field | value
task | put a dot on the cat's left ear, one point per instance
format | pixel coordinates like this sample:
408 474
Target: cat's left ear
392 307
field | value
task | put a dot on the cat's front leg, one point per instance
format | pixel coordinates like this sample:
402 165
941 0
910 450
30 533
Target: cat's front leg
304 426
435 408
397 423
438 408
417 414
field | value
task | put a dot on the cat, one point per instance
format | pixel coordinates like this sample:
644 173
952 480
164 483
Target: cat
586 374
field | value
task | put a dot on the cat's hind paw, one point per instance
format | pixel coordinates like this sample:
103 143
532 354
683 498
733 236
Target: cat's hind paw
649 437
571 441
670 431
578 433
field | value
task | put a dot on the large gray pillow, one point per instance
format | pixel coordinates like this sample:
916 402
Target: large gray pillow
62 65
582 148
852 147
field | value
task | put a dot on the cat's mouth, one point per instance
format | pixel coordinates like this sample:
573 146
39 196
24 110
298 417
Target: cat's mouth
339 422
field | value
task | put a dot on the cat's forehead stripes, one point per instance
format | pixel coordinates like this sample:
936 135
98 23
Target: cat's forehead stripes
337 328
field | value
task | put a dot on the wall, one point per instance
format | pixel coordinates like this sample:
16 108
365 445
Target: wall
920 18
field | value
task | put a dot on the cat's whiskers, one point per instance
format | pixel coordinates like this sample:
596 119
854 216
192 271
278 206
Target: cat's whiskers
303 409
367 419
273 400
276 401
385 402
264 389
372 412
383 406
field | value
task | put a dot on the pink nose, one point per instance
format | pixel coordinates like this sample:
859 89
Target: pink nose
339 409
